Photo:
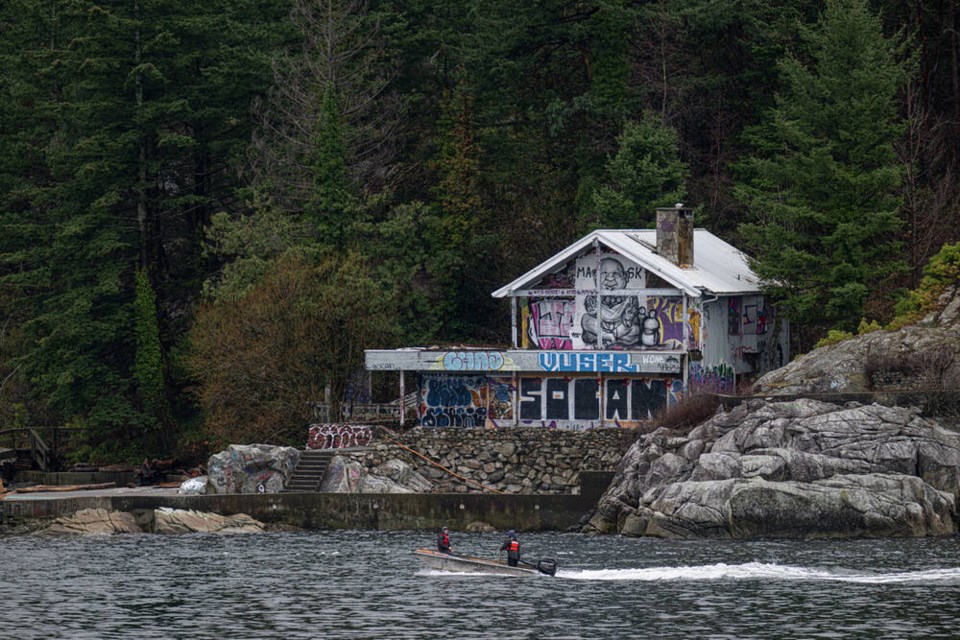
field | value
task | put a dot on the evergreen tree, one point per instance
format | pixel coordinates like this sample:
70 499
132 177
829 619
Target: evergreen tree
148 369
821 187
332 207
132 119
644 174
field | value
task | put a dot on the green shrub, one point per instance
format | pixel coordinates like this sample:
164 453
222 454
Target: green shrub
941 272
834 336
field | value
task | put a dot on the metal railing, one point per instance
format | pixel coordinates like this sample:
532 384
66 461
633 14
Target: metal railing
367 411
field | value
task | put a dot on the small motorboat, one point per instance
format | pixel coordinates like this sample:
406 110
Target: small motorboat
440 561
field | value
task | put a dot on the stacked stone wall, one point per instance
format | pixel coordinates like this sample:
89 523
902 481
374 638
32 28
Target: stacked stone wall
514 460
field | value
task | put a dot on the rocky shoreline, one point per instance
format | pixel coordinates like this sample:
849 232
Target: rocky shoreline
771 467
796 469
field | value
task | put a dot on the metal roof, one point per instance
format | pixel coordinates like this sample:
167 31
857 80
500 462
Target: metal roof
718 267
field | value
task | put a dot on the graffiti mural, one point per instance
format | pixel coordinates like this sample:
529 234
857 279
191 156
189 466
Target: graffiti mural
626 322
498 396
465 401
338 436
733 316
470 361
718 378
670 319
755 316
549 323
615 322
640 398
452 401
608 362
575 403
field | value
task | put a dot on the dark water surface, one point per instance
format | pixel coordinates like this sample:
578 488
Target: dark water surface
352 584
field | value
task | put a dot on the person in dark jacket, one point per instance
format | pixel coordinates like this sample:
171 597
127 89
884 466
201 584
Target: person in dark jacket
512 547
443 541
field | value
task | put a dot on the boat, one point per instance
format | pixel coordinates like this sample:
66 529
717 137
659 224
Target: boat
439 561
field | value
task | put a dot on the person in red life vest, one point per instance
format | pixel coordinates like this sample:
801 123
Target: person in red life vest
512 547
443 541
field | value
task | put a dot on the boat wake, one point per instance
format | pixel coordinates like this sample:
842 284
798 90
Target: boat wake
760 571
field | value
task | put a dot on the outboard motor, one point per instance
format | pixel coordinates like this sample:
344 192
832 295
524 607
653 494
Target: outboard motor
547 566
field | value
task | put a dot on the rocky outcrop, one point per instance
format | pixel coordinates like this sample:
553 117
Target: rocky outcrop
168 521
797 469
842 367
931 349
93 522
347 475
252 468
189 521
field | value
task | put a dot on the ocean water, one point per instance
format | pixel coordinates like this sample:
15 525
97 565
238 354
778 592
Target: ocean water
362 584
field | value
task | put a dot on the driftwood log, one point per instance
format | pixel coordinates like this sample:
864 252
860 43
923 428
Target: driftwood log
66 487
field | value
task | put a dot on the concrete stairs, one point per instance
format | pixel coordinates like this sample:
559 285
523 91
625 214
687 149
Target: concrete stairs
310 471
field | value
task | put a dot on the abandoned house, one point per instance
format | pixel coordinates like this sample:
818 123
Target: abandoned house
606 333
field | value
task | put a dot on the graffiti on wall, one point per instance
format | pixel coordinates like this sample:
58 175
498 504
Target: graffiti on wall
576 402
608 362
549 323
464 401
499 398
627 322
338 436
613 322
748 316
733 316
719 378
640 399
669 313
452 401
469 361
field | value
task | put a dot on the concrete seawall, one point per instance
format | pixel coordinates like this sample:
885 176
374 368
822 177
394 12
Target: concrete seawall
383 512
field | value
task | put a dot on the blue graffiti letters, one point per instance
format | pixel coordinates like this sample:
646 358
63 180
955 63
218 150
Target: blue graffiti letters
472 360
601 361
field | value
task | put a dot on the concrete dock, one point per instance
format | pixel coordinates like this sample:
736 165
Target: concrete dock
386 512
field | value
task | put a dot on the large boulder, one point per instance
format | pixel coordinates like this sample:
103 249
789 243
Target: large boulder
251 468
165 520
346 475
188 521
93 522
797 469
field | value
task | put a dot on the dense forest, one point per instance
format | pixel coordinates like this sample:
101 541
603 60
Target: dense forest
208 210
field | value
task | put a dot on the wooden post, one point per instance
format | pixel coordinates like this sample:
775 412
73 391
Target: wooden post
515 398
513 321
403 398
602 397
596 288
686 345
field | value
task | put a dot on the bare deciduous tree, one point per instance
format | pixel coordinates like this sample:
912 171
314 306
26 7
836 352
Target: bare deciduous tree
341 51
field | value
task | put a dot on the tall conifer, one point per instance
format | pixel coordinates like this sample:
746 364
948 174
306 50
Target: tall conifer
822 184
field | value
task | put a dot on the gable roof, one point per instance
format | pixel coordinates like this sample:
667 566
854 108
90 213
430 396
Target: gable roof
718 268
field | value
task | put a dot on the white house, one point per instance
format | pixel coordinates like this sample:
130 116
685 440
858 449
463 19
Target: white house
606 333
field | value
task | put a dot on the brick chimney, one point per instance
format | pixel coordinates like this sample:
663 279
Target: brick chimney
675 234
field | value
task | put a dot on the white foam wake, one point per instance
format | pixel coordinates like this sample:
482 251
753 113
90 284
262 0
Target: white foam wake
760 571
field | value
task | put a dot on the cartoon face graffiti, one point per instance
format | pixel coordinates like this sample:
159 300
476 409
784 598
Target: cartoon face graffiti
619 316
612 275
